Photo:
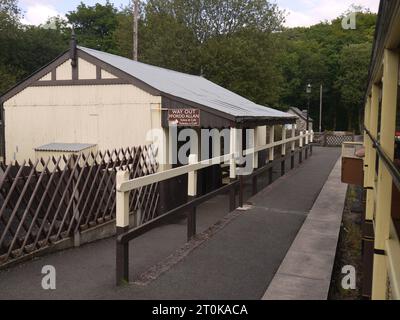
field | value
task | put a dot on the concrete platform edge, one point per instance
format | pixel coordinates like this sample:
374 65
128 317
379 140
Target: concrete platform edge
305 272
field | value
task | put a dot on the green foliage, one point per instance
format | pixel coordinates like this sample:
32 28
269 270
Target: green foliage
94 25
9 12
352 78
166 42
210 18
318 55
239 44
244 62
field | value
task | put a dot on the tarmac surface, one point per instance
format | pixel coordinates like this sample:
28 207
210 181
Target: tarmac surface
235 259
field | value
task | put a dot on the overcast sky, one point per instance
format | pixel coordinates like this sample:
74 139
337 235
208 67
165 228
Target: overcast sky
300 12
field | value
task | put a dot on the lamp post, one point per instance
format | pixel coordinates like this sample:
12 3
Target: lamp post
308 91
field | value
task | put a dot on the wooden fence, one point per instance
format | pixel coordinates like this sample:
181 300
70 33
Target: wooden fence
46 201
333 138
125 186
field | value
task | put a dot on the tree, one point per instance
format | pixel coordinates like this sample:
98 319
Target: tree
9 11
9 23
352 79
246 63
24 49
228 42
210 18
314 55
94 25
166 42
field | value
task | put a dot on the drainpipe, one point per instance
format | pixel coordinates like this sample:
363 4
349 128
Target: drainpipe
3 134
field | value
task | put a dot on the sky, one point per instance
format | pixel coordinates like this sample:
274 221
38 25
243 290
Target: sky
299 12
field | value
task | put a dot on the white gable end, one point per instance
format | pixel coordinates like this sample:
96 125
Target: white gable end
87 71
64 71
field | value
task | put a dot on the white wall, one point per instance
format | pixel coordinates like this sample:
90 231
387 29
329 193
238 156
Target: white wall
112 116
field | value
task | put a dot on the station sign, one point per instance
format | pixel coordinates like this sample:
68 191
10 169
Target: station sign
184 117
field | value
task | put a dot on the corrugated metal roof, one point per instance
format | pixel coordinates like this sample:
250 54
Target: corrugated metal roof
189 87
300 113
65 147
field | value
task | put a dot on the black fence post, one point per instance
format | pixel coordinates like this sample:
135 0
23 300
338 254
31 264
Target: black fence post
254 185
301 155
270 174
283 163
191 223
122 263
241 187
232 199
292 161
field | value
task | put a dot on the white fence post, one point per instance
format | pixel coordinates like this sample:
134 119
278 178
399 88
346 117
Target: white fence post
122 203
283 139
312 136
271 140
301 139
293 135
307 137
232 150
257 132
192 177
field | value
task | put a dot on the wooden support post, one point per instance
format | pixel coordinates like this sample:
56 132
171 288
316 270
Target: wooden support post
367 223
301 139
122 203
191 223
306 146
254 185
255 139
293 146
373 128
122 226
283 150
192 193
192 177
384 189
270 175
241 191
367 141
292 161
254 143
233 150
271 140
232 200
293 143
301 147
122 263
261 140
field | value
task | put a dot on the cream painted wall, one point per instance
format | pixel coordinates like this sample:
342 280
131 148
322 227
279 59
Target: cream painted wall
112 116
64 71
107 75
47 77
86 70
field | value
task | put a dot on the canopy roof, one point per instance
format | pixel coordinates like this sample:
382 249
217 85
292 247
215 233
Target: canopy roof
190 87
